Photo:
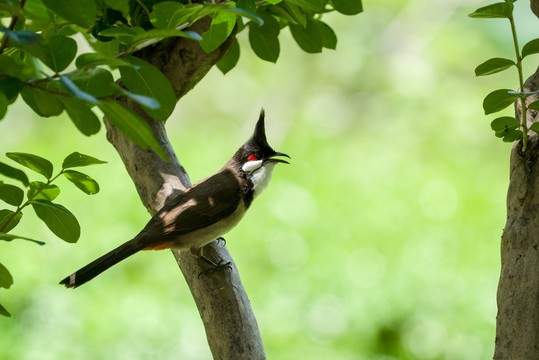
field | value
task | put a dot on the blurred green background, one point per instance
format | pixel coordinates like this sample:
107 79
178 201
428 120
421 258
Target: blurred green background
380 241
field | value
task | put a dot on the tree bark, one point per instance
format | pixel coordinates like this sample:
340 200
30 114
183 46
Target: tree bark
224 307
517 322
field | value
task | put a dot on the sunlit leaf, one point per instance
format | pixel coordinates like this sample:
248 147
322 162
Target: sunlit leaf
219 30
77 159
58 219
33 162
82 181
492 66
498 100
40 190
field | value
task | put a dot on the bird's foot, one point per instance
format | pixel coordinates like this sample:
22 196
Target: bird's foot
214 267
220 238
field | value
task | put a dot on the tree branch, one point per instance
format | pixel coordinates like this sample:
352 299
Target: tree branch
517 322
231 327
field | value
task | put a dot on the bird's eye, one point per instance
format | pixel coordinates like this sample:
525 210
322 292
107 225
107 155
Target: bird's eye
252 157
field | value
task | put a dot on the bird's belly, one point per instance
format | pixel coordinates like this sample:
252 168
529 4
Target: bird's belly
201 237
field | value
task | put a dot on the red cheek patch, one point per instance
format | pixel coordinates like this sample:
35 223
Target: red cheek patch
252 157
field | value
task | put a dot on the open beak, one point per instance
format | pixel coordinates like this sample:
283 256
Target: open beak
273 159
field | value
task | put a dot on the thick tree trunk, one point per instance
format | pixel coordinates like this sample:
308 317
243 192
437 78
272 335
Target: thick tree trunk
517 323
231 327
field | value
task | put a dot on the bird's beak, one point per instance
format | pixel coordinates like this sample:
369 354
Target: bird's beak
273 159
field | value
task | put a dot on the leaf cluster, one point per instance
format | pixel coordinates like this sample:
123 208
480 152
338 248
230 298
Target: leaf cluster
509 128
38 47
41 196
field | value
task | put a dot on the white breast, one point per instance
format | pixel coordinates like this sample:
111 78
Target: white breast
261 177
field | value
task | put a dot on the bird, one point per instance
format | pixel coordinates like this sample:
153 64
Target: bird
203 212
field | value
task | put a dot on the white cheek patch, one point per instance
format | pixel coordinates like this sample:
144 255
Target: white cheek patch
262 177
251 166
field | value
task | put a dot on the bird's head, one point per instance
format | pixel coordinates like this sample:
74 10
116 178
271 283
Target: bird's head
257 159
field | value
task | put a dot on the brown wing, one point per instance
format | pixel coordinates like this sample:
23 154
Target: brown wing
202 205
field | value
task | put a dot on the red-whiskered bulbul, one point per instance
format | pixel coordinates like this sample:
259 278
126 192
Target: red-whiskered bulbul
203 212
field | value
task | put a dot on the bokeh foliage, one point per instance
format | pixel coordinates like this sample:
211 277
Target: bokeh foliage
381 241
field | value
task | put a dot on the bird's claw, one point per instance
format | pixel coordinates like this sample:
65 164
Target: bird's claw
216 267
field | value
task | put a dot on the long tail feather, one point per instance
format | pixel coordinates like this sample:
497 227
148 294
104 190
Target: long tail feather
101 264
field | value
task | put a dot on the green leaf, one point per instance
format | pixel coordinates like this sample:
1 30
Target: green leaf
535 127
159 34
231 58
40 191
131 125
33 162
24 37
10 218
145 79
498 100
329 39
77 159
314 5
264 39
10 237
492 66
11 194
310 38
41 101
90 60
6 280
10 87
143 100
513 136
348 7
172 14
8 66
3 105
531 47
58 219
219 30
82 181
497 10
124 35
96 82
80 12
81 115
534 105
74 89
57 52
503 125
3 311
295 13
13 173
